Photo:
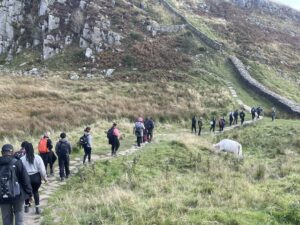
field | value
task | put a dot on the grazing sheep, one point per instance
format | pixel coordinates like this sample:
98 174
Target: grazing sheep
229 146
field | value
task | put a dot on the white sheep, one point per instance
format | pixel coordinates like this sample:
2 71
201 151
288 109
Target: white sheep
228 145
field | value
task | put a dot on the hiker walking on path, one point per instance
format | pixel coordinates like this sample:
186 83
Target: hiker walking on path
259 111
200 124
212 125
273 114
230 118
242 116
87 144
194 122
253 111
35 168
114 136
44 148
221 124
15 187
138 131
63 150
235 116
149 124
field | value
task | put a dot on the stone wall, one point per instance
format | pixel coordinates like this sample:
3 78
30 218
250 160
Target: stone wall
287 104
210 42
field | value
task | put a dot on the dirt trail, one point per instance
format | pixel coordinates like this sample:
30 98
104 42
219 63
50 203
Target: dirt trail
54 183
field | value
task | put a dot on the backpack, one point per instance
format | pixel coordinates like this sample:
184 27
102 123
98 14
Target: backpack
149 125
110 133
138 130
63 148
42 147
83 141
9 186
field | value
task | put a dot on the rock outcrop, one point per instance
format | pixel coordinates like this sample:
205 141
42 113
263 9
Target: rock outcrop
53 25
291 106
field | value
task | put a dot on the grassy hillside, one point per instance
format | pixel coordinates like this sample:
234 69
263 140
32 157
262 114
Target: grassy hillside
177 180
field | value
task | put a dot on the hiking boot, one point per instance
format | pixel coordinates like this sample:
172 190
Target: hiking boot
37 210
62 179
26 208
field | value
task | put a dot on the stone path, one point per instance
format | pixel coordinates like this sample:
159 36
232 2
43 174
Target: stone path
54 183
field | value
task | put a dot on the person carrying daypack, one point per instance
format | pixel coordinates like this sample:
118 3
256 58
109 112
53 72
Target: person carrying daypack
259 111
200 124
45 148
138 130
242 116
235 116
63 150
212 124
114 136
15 187
194 122
221 124
230 118
35 168
87 144
149 124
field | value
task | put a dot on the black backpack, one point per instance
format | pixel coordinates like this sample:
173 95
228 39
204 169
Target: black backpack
83 141
110 133
9 186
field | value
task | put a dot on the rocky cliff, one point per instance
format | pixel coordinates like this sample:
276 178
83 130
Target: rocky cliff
53 25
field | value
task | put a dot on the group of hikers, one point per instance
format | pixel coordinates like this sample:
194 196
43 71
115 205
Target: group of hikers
233 118
22 171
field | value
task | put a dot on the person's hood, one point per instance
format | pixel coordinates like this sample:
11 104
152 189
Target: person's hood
63 140
5 160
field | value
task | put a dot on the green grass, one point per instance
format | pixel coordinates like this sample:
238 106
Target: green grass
177 180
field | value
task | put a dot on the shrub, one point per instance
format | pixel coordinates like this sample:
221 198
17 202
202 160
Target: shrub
136 36
129 61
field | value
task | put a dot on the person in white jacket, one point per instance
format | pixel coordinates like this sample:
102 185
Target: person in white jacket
35 167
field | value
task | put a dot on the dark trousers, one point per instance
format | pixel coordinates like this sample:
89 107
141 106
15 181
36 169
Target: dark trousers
212 128
115 144
235 120
194 128
36 181
64 162
150 135
199 131
11 212
52 158
253 116
242 120
87 153
139 140
46 160
230 122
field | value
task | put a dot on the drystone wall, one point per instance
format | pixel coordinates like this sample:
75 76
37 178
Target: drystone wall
210 42
287 104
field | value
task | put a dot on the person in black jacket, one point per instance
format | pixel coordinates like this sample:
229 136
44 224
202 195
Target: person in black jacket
63 150
235 116
194 122
242 116
15 209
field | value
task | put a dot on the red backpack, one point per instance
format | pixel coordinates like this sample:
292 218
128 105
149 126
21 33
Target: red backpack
42 147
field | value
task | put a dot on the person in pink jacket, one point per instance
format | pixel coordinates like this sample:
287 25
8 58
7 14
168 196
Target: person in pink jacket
114 137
